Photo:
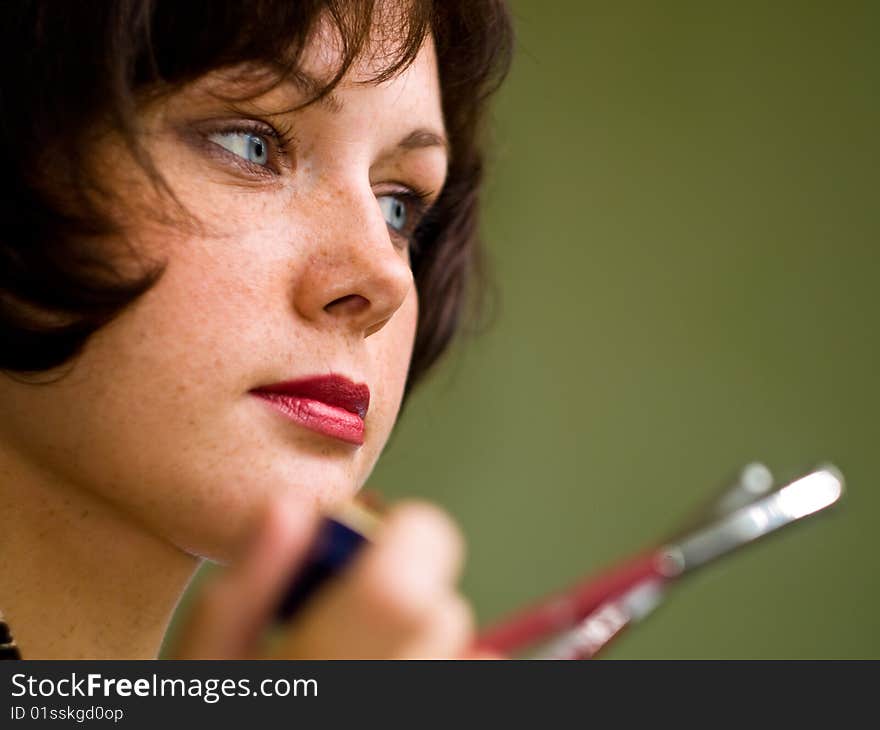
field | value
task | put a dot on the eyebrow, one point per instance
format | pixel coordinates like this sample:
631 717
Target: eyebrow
422 138
417 139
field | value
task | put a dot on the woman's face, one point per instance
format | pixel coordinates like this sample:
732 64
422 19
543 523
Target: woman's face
301 269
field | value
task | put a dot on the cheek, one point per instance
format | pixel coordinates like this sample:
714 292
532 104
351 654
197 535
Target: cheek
401 341
391 351
170 437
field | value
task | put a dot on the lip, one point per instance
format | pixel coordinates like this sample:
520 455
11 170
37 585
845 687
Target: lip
329 404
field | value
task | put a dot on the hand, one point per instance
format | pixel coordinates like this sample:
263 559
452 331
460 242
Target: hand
395 600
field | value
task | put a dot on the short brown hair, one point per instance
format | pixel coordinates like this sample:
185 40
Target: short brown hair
65 66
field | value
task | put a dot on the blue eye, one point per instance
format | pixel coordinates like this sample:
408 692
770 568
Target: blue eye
394 211
251 147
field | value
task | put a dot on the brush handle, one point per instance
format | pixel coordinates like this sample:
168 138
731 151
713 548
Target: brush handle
564 610
333 548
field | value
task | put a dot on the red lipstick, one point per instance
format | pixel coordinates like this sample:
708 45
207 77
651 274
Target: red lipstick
329 404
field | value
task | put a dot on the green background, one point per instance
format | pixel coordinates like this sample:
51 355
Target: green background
682 220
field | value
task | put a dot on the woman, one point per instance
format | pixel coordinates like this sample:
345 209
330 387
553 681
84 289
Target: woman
235 236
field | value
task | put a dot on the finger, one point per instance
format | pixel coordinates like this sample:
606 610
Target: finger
477 653
232 610
447 634
387 597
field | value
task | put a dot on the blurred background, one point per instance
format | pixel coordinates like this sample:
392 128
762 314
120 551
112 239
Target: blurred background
682 220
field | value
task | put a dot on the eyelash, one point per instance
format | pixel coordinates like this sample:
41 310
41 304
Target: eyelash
280 143
416 200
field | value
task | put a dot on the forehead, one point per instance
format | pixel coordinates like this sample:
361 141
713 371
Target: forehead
372 54
370 79
417 81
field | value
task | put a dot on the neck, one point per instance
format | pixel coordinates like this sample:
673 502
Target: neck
79 580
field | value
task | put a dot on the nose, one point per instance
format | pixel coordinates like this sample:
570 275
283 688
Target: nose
352 275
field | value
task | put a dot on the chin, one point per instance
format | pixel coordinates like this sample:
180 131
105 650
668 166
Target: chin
218 525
